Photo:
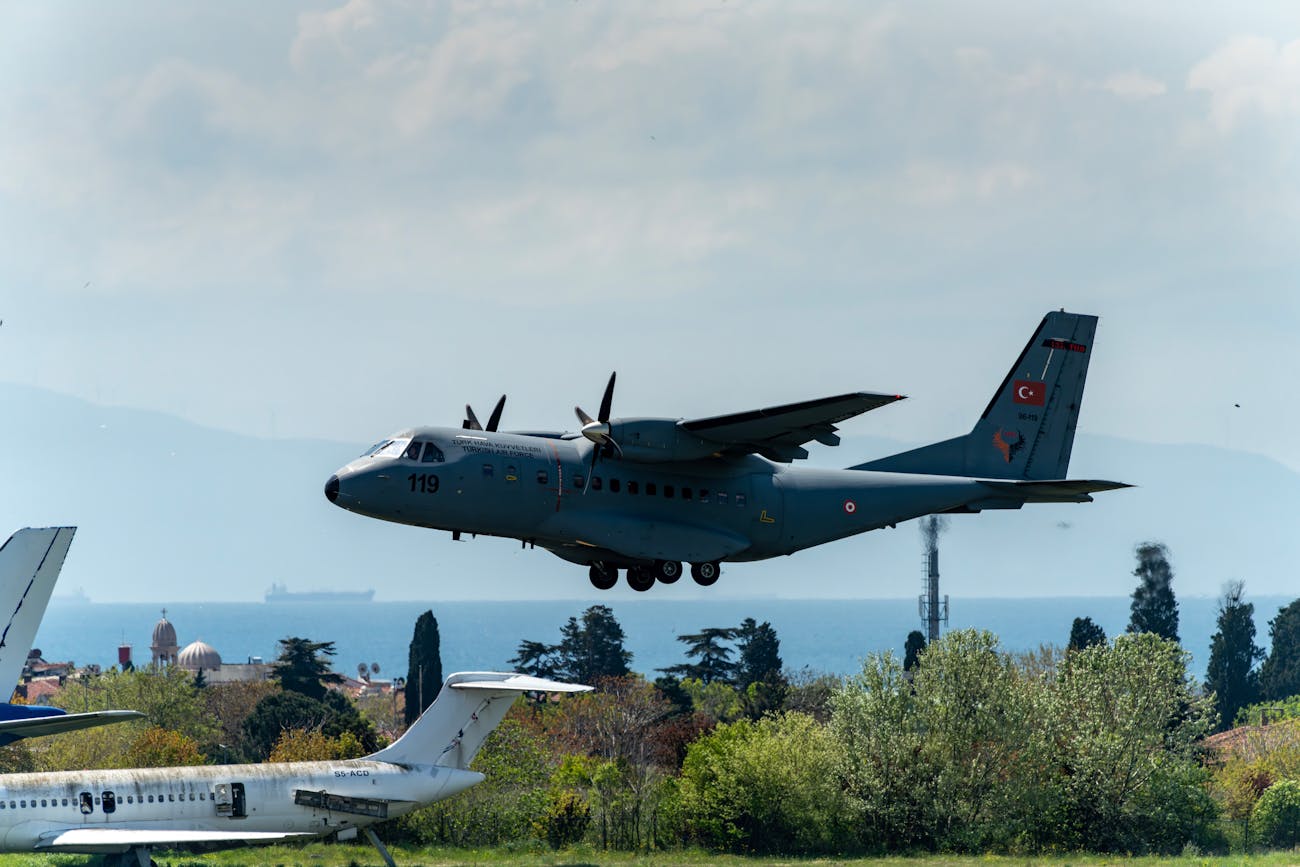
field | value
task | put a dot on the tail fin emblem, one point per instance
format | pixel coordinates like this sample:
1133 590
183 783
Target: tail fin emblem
1008 442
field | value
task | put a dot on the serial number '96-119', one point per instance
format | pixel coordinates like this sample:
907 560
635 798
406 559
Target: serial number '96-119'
424 483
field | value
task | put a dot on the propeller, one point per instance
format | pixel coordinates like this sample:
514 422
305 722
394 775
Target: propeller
597 429
471 421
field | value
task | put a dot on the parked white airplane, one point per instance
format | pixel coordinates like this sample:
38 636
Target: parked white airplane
30 562
132 811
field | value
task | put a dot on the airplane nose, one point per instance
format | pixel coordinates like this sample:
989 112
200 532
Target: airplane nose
332 489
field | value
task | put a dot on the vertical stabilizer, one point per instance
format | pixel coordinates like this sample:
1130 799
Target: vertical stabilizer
468 707
29 565
1027 429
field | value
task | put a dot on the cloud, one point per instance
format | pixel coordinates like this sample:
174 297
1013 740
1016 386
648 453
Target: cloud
1250 75
1134 86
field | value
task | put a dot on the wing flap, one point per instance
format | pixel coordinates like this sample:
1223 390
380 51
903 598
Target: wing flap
778 431
92 840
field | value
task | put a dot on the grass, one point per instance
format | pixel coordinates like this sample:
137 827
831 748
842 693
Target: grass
334 855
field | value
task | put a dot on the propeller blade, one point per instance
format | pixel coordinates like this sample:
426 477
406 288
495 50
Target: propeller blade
583 417
471 420
591 470
495 418
608 398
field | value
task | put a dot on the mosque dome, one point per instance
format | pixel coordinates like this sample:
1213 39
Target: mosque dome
164 634
199 655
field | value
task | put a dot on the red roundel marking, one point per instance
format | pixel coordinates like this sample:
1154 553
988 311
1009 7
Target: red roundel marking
850 507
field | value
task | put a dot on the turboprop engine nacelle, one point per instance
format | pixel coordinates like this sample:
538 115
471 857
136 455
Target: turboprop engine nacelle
659 440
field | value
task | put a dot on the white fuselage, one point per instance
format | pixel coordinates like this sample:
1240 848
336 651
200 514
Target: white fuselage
297 797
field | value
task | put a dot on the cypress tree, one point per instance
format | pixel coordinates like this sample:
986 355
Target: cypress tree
912 649
424 667
1279 676
1154 608
1084 633
592 648
1233 654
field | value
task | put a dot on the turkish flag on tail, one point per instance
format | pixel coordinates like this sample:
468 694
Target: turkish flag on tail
1027 391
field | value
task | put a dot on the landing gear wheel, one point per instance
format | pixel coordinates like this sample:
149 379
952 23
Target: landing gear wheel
640 579
668 571
602 577
705 574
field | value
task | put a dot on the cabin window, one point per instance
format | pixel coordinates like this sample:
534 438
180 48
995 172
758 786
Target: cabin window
171 797
87 804
543 477
704 495
489 471
579 482
432 454
651 488
614 485
595 483
151 799
413 451
191 796
686 493
65 802
512 474
633 487
110 802
13 806
722 498
43 802
668 491
22 803
203 796
740 500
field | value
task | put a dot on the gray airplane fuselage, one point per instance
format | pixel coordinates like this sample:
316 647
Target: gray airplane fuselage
535 489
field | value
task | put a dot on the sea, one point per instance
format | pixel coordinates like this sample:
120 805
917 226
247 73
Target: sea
822 635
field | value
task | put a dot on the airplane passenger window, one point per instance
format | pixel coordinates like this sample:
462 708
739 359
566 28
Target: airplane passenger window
413 451
722 498
651 488
489 471
542 477
704 495
614 485
686 493
740 499
668 491
580 482
87 806
110 802
432 454
42 802
633 487
595 483
512 475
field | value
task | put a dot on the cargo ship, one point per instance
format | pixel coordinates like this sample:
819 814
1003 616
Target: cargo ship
281 593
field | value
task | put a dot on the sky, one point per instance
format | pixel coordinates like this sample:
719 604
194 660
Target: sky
334 221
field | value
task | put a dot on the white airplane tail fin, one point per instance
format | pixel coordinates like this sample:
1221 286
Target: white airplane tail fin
29 565
468 707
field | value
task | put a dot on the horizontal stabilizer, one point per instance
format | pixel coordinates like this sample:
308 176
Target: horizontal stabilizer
522 683
33 727
1059 491
94 840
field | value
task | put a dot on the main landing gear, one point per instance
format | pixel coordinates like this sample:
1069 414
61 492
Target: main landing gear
642 578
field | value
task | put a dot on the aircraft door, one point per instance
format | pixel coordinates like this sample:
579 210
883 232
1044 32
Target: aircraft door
766 508
230 800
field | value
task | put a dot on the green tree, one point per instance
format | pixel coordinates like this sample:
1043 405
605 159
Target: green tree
711 654
332 715
766 787
424 667
758 668
537 659
912 649
1231 674
1084 633
303 667
592 648
1154 608
1277 815
1279 676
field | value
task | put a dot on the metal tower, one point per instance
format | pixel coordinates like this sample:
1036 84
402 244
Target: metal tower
932 610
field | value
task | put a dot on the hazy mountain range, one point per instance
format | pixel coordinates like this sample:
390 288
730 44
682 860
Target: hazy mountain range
170 510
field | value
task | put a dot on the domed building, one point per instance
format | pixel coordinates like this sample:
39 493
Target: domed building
199 656
163 644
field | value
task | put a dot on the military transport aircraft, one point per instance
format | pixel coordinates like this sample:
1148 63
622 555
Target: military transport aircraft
130 812
30 562
646 494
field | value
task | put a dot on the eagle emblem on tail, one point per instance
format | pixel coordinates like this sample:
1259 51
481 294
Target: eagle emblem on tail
1008 442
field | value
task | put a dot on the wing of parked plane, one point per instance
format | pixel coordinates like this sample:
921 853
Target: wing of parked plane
58 722
122 839
778 432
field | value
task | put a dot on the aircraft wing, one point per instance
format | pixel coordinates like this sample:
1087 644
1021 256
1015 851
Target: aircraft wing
32 727
779 432
93 840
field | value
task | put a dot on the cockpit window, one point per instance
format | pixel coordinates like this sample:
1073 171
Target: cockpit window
391 449
413 453
376 447
432 454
